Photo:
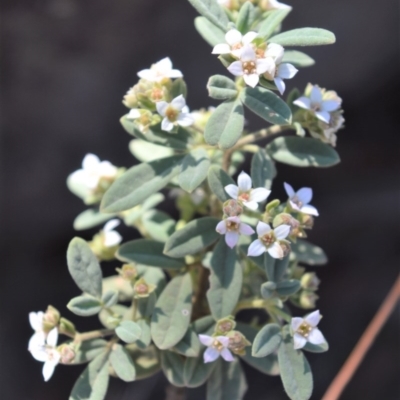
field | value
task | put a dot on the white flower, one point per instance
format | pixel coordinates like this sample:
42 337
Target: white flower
36 320
299 200
159 71
111 237
232 227
44 350
216 346
320 107
273 5
305 330
244 193
174 113
234 43
251 67
268 240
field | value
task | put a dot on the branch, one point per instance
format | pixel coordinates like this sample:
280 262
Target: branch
81 337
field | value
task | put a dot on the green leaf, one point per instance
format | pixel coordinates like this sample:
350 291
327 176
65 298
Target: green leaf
84 267
298 59
139 182
147 252
172 365
194 237
295 371
146 361
304 37
158 225
246 17
217 180
267 105
122 363
225 125
194 169
280 268
119 312
209 32
110 298
145 338
196 372
171 315
146 305
179 140
212 11
221 88
268 290
287 288
204 324
225 280
189 346
129 331
132 216
309 253
303 152
263 170
178 88
227 381
267 340
147 151
85 306
88 350
93 383
89 219
316 348
272 22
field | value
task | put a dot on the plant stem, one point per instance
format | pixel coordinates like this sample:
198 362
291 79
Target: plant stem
81 337
357 355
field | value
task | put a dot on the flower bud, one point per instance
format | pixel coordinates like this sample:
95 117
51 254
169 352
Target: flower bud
308 299
285 246
232 208
66 327
142 289
50 318
310 281
237 342
130 99
307 221
127 272
225 325
67 353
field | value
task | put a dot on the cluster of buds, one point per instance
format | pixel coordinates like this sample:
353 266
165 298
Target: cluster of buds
141 289
264 5
306 297
106 242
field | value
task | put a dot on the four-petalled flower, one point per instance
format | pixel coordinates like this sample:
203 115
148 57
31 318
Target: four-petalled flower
245 194
159 71
174 113
234 43
305 330
216 346
232 227
299 200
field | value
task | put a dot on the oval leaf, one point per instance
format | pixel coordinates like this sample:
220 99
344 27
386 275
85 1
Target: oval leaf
145 338
158 225
209 32
89 219
194 170
263 170
221 88
246 17
172 365
272 22
147 152
196 372
84 306
304 37
267 340
129 331
287 288
309 253
189 346
88 350
212 11
217 180
298 59
122 363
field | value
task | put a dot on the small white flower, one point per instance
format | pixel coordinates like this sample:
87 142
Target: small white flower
320 107
234 43
216 346
244 193
159 71
299 200
232 227
111 237
251 67
273 5
44 350
305 330
174 113
268 240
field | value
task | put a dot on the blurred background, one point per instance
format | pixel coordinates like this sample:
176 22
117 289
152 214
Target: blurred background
66 66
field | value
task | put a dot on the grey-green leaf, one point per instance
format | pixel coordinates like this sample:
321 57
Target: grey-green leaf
189 345
84 267
148 252
221 88
85 306
246 17
122 363
304 37
88 350
194 237
145 337
178 88
212 11
295 371
196 371
209 32
225 280
263 169
309 253
267 340
272 22
287 288
146 151
89 219
129 331
217 180
172 365
110 298
194 169
172 313
298 59
303 152
267 105
139 182
158 225
225 125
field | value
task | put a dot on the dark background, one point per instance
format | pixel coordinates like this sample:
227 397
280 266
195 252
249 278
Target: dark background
66 65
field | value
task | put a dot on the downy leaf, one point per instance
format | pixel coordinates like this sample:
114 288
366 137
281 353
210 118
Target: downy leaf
110 298
178 88
298 59
209 32
88 350
217 180
263 169
212 11
158 224
147 151
194 169
129 331
304 37
309 253
196 371
246 17
272 22
267 340
189 346
221 88
89 219
145 338
287 288
172 365
122 363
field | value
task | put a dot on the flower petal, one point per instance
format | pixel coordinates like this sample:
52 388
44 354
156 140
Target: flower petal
90 162
221 227
178 102
287 71
275 51
323 116
313 318
244 182
210 355
39 353
249 37
275 251
227 355
147 74
330 105
303 102
262 228
185 119
310 210
316 337
232 190
294 205
266 65
175 73
236 68
36 320
231 239
48 369
164 65
206 340
316 95
305 195
133 113
162 107
167 125
221 48
282 231
299 341
251 80
280 85
111 224
112 238
248 53
289 190
224 340
252 205
295 323
256 248
245 229
233 37
52 337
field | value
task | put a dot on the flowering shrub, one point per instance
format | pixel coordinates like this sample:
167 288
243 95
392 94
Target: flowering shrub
175 302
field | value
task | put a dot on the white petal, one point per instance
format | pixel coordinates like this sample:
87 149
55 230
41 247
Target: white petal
175 73
233 37
282 231
167 125
303 102
276 5
252 205
52 337
162 107
248 53
316 95
185 119
324 116
90 162
111 224
249 37
206 340
244 182
251 80
275 251
310 210
316 337
305 195
245 229
256 248
295 323
106 169
210 355
289 190
231 239
232 190
287 71
112 238
48 369
39 353
221 227
178 102
313 318
330 105
221 48
299 341
262 228
133 114
236 68
280 85
227 355
164 65
36 320
275 51
294 205
147 74
37 341
266 65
